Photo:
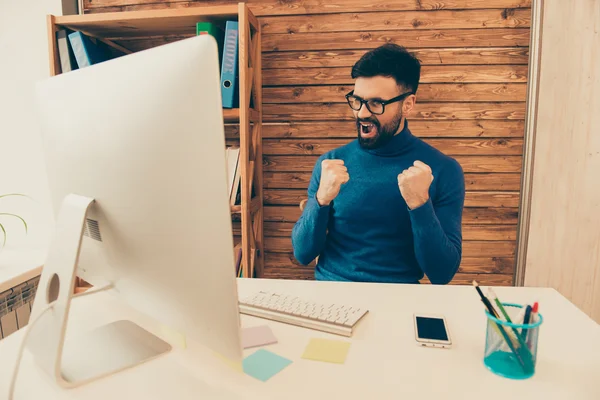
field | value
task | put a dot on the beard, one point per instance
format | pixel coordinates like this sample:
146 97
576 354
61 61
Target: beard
379 135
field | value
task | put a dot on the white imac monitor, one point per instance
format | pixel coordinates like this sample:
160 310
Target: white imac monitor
135 156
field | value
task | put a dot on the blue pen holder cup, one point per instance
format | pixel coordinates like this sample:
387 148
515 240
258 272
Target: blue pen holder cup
511 349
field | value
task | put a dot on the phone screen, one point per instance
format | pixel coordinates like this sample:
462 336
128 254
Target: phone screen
431 328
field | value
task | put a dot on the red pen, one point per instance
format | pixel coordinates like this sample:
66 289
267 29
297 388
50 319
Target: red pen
532 320
534 312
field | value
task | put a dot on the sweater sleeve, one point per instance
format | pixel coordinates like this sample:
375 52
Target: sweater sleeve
310 231
437 227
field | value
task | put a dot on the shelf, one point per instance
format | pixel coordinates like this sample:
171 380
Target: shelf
233 115
147 23
159 26
254 206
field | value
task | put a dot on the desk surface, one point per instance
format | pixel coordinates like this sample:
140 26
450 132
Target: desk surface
384 361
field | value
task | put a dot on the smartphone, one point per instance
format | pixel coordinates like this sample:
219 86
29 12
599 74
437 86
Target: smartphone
432 331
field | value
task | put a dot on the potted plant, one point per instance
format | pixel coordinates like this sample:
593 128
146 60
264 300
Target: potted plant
3 233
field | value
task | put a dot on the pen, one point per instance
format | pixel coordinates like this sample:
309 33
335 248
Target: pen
485 301
507 336
526 321
509 341
534 312
533 320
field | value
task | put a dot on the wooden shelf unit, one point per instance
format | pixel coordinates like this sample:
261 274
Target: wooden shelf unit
110 27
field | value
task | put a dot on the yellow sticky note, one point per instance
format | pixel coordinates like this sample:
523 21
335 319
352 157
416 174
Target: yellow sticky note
333 351
235 365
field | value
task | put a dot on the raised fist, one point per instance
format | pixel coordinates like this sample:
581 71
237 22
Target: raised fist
333 175
414 184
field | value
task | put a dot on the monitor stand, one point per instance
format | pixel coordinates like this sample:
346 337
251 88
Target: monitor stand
104 351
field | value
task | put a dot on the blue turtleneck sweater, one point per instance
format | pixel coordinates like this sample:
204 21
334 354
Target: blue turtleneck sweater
368 233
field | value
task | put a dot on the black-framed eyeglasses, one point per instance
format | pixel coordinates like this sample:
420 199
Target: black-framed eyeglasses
374 106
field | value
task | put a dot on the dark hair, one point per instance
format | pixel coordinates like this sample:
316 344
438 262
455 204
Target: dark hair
392 61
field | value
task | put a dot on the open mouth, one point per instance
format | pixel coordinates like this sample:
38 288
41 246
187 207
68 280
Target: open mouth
367 129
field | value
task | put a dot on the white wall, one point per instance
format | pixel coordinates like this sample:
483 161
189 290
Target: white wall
564 235
23 60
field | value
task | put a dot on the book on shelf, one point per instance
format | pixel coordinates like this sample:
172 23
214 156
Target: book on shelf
209 28
229 66
234 174
237 258
78 50
87 50
65 52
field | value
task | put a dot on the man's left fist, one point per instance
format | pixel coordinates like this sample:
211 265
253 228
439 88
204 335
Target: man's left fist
414 184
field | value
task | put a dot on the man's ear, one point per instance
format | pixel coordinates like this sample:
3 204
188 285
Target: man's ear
408 104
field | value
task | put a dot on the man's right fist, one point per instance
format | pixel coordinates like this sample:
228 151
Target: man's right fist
333 175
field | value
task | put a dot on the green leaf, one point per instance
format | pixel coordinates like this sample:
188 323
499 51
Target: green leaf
16 216
4 234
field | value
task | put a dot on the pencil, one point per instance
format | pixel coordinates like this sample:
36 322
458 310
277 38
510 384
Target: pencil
509 341
494 298
485 301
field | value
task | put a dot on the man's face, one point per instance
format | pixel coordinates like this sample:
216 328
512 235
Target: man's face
376 130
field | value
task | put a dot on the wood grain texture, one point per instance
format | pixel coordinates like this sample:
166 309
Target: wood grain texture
421 111
449 146
563 248
473 182
147 42
427 92
347 58
347 129
483 265
429 74
307 273
293 197
54 63
472 248
470 232
303 7
403 20
471 104
508 37
146 22
471 216
475 168
489 279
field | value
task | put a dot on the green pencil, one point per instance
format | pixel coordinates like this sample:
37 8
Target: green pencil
493 296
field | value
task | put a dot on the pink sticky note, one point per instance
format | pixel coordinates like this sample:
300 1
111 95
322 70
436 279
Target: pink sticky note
257 336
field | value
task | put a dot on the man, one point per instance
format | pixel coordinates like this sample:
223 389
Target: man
387 207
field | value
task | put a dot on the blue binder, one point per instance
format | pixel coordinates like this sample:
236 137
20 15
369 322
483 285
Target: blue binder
229 66
86 52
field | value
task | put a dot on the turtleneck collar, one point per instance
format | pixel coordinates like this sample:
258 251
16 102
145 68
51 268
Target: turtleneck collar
400 143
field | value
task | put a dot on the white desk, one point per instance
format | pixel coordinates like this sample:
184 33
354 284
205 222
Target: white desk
383 363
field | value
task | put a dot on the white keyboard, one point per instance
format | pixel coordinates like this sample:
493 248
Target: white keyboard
332 318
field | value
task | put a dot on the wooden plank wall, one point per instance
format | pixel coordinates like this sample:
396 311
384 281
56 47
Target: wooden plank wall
470 104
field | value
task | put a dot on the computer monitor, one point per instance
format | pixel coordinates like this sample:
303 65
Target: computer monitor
143 137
